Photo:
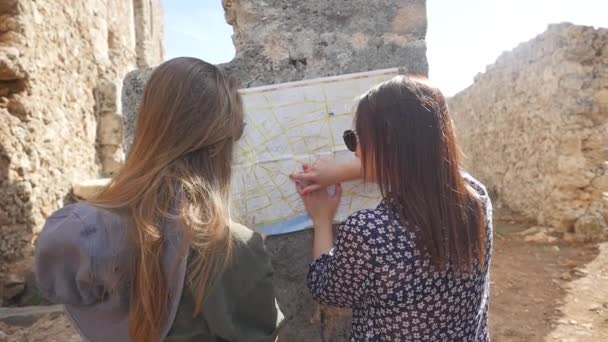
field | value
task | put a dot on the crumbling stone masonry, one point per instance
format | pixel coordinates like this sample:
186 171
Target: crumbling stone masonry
286 40
61 71
534 127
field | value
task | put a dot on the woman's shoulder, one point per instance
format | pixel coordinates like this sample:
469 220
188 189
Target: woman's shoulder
248 247
84 213
246 237
367 224
383 214
479 187
242 232
483 195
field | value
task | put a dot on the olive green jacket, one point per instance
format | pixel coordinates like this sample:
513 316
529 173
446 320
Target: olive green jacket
241 307
84 261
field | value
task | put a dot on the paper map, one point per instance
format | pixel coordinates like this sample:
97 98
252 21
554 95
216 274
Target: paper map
288 125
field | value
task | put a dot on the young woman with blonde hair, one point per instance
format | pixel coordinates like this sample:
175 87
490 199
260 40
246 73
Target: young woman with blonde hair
155 256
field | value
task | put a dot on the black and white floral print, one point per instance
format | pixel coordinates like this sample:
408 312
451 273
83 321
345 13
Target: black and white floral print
376 269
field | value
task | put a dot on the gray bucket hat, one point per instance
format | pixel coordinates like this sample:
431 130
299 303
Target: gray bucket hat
84 261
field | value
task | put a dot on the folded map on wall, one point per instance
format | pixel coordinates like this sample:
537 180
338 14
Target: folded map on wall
292 124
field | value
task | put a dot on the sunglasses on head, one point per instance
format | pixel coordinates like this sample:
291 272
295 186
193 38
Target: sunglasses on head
350 140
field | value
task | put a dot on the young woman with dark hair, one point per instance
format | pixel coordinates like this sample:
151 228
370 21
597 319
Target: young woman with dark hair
416 268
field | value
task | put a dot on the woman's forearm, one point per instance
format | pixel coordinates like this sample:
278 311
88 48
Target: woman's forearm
323 239
352 171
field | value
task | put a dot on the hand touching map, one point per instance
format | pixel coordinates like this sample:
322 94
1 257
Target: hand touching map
289 125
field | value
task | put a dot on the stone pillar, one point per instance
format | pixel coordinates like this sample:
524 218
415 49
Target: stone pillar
148 31
109 126
287 40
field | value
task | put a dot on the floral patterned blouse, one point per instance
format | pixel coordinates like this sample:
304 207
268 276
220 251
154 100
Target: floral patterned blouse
376 270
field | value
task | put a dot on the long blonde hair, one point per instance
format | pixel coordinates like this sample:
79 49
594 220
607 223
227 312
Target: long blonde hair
189 119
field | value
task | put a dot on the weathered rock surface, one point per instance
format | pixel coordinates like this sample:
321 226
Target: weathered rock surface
61 71
85 190
27 315
286 40
534 128
36 324
12 286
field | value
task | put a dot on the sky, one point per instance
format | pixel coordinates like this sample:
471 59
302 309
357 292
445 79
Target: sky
463 36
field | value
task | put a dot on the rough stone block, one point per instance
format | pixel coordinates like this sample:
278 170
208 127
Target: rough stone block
98 29
8 23
109 129
27 315
10 68
88 188
148 32
107 96
112 159
591 227
8 6
132 92
14 286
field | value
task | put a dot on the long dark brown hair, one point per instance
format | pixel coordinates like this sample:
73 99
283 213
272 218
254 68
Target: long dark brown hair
189 119
408 147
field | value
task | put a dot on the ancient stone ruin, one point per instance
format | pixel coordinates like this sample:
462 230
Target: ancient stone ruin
534 128
279 41
61 71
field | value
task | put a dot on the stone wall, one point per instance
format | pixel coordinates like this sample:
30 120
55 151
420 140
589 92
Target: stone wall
534 127
286 40
148 32
61 71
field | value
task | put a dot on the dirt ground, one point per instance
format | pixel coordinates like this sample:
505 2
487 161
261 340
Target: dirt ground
539 292
547 292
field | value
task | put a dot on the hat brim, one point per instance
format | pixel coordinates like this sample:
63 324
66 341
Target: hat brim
99 323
